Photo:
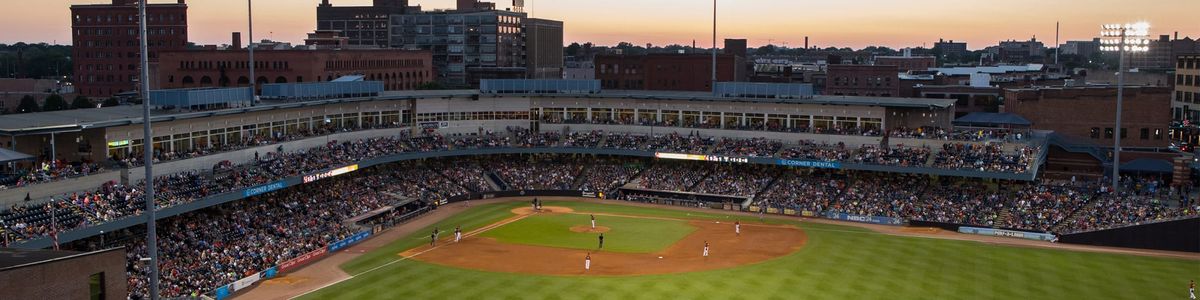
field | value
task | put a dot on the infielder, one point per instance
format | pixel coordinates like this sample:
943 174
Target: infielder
593 222
737 228
705 248
457 233
601 240
433 237
587 262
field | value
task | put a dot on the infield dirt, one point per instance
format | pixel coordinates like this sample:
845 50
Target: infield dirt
757 243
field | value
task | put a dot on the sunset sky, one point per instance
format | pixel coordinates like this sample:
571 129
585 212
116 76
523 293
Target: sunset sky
829 23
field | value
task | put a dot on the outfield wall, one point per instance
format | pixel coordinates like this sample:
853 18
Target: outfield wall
1175 235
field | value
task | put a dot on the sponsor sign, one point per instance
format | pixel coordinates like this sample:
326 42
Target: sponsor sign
789 211
331 173
810 164
245 282
354 239
434 125
222 292
302 259
270 273
864 219
263 189
1007 233
587 194
701 157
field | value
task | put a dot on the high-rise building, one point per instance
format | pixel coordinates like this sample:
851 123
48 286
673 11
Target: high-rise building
1019 52
544 39
362 25
1163 53
106 42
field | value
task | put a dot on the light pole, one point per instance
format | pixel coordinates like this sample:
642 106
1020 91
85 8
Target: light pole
1122 38
148 155
714 48
253 80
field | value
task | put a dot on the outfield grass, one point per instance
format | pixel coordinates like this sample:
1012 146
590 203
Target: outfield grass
838 262
628 235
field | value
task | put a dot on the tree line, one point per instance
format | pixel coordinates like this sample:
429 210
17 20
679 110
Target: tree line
56 102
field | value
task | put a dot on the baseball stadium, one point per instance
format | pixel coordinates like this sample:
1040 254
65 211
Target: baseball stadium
558 189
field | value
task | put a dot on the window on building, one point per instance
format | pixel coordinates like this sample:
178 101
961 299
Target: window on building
1158 134
1095 132
1108 133
1124 133
1145 134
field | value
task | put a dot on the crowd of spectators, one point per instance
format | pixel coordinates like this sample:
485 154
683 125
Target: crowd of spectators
735 180
897 155
547 174
677 177
989 157
754 147
48 171
606 176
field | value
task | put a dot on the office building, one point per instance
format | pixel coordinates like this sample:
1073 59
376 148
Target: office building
544 39
362 25
950 48
1185 104
106 42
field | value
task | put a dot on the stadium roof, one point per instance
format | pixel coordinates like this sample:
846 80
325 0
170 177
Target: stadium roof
9 156
77 120
1147 165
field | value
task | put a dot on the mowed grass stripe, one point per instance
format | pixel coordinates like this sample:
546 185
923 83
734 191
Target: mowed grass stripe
628 235
838 262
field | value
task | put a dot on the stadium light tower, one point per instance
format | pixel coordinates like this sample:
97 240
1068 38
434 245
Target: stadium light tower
148 155
1122 38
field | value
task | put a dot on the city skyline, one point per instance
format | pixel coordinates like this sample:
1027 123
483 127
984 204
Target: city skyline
871 23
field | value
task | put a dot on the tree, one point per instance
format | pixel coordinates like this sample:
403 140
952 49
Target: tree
432 85
28 105
573 49
54 102
82 102
111 101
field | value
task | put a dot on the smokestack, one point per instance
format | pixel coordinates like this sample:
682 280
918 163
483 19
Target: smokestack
237 41
806 42
1176 35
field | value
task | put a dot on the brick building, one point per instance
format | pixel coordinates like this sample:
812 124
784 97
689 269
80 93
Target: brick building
967 99
1087 113
398 69
863 80
50 274
670 72
907 63
105 42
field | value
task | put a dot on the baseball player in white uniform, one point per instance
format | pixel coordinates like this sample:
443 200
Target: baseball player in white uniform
593 222
1192 290
457 234
737 228
705 248
587 262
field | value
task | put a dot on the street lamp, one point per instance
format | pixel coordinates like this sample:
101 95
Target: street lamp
1122 38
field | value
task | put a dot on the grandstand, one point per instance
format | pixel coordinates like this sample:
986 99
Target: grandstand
399 155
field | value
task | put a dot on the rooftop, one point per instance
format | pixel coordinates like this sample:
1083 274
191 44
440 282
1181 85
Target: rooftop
13 258
76 120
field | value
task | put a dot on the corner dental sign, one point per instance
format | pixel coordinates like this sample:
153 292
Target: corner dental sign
330 173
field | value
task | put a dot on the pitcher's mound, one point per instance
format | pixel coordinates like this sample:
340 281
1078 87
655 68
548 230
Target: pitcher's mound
588 229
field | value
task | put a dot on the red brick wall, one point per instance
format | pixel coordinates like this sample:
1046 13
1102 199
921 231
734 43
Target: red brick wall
863 80
666 72
105 42
398 69
919 63
67 279
1075 111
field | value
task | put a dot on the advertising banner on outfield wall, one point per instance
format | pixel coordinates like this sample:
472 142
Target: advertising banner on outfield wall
354 239
864 219
222 292
245 282
1007 233
302 259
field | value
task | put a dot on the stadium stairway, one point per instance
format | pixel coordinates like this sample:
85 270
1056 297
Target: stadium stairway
495 181
578 184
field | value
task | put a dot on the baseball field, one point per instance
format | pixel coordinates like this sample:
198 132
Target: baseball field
511 252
